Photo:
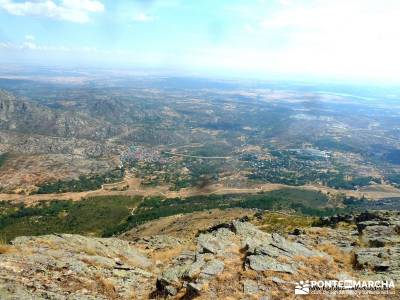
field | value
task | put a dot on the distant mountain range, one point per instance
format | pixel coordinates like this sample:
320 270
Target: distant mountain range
23 116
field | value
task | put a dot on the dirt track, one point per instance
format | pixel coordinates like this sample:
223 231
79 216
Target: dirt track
135 189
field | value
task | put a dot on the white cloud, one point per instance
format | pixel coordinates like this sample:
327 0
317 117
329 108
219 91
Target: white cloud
285 2
248 28
86 5
30 44
30 37
68 10
142 17
341 38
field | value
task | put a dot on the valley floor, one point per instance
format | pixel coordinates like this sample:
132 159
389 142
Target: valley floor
132 187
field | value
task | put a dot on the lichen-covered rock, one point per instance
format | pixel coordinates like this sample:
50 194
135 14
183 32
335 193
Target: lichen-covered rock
379 259
74 267
212 268
242 243
232 259
250 287
279 246
267 263
216 242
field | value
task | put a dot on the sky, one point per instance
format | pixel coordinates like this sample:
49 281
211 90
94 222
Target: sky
339 39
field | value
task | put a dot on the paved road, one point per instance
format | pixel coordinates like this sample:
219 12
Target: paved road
195 156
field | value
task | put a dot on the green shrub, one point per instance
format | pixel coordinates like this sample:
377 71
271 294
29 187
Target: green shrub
84 183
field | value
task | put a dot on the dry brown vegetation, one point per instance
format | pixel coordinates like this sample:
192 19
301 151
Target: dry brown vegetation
167 254
89 250
106 287
341 257
6 248
283 222
187 225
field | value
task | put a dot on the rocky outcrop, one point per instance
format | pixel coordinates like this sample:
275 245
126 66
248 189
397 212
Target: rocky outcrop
381 234
373 238
385 260
74 267
237 245
234 259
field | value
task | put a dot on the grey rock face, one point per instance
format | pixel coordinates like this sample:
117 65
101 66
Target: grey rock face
226 259
262 251
250 287
194 270
380 235
267 263
216 242
195 288
380 259
250 235
172 276
212 268
278 280
380 232
247 230
291 247
59 266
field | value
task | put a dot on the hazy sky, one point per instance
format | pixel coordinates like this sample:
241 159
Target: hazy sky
328 38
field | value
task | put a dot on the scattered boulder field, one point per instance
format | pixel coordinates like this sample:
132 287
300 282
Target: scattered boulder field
228 260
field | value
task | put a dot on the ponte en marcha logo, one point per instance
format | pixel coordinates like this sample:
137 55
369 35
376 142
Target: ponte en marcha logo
379 287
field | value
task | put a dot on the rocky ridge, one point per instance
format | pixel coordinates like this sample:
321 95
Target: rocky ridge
43 139
236 256
27 117
230 260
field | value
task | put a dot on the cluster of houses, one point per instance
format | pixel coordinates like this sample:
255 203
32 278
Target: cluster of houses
137 154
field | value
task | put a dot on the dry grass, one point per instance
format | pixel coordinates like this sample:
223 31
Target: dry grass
89 251
249 274
132 295
106 287
131 261
90 262
283 259
285 276
49 244
317 267
226 277
342 258
6 248
167 254
312 268
320 231
284 223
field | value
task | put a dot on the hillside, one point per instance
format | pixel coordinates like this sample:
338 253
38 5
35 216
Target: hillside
40 144
230 260
29 117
